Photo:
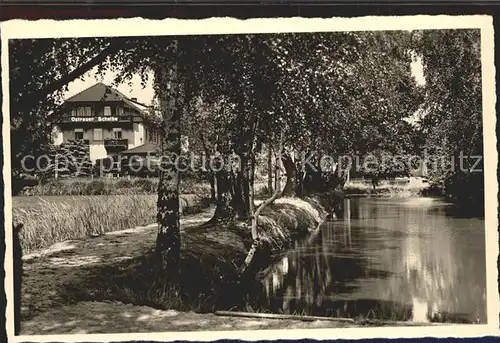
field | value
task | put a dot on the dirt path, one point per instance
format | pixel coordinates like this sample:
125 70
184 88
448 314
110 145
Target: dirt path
115 317
45 272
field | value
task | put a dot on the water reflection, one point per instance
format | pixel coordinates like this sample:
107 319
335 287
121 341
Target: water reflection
385 259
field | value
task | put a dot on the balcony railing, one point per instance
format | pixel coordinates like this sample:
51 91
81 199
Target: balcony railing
83 141
116 143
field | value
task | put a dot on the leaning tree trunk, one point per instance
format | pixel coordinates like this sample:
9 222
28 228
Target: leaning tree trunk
168 241
255 218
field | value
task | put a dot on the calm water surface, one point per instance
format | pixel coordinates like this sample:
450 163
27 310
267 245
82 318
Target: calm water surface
399 259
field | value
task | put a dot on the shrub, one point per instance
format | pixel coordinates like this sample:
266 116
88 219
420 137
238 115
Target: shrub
194 187
262 191
95 187
77 187
148 185
105 186
124 183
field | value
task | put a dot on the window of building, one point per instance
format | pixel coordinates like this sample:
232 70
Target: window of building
121 111
107 110
88 111
97 134
81 111
79 134
117 133
73 112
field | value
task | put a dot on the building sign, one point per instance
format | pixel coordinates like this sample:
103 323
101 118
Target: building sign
116 143
93 119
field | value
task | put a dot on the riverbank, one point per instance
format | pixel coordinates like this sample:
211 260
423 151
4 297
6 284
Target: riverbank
117 266
412 188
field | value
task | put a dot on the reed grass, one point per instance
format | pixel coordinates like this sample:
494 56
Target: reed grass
48 222
52 219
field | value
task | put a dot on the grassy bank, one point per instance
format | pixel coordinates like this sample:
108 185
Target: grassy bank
52 219
210 258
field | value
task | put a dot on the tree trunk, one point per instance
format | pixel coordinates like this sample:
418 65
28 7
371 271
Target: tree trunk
18 273
212 179
270 169
252 182
316 180
242 194
224 210
246 211
291 176
168 241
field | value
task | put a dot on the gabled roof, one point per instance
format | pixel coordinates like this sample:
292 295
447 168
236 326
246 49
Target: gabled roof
102 92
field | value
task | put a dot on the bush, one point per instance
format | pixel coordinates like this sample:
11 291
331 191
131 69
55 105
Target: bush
106 186
148 185
95 187
195 187
124 183
77 187
262 191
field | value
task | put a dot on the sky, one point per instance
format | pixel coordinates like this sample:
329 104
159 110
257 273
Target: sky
146 95
417 71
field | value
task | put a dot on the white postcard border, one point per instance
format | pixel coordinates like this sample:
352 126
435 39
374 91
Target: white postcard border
143 27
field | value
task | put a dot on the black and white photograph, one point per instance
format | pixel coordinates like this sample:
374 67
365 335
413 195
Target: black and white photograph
226 178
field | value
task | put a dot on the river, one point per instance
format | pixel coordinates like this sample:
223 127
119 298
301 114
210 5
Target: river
387 259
